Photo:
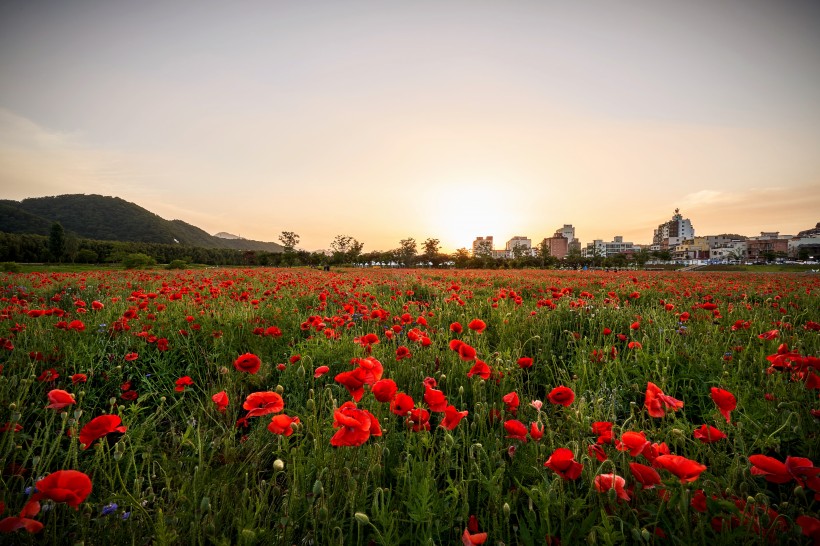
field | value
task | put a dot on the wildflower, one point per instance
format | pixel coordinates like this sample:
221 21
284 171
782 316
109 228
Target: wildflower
59 399
384 390
536 431
221 401
99 427
563 463
109 509
282 424
525 362
656 400
516 430
481 369
725 401
452 417
263 403
68 486
708 434
247 362
355 426
182 382
477 325
320 371
418 419
685 469
645 475
605 482
561 396
78 378
402 404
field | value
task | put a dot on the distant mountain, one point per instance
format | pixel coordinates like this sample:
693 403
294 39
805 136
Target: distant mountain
226 235
111 219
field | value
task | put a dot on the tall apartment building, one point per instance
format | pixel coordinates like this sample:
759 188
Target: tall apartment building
524 244
557 245
672 233
483 246
573 244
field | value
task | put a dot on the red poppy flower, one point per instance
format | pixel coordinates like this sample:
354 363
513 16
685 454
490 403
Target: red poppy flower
78 378
13 523
294 359
597 451
634 345
182 382
384 390
68 486
645 475
656 401
59 399
605 482
768 336
403 352
48 376
770 468
402 404
809 526
221 401
353 381
685 469
525 362
466 352
516 430
456 328
129 395
263 403
281 424
247 362
418 419
634 442
604 431
511 402
452 417
130 357
99 427
708 434
563 463
471 539
477 325
355 426
481 369
536 431
435 399
320 371
725 401
561 395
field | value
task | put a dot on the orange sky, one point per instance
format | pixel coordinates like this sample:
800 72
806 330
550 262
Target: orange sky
424 119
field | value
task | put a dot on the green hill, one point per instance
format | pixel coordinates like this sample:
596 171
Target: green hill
111 219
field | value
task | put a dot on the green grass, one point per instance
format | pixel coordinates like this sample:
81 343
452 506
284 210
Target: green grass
184 473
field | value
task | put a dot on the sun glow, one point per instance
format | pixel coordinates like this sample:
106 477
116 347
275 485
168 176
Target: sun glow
463 211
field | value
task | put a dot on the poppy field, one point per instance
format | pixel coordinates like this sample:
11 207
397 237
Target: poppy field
294 406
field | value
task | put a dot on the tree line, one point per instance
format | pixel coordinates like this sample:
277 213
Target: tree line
64 247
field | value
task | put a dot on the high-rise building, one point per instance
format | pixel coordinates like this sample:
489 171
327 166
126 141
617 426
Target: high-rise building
523 244
672 233
483 246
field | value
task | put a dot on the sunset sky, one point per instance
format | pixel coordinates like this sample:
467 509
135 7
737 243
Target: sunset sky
446 119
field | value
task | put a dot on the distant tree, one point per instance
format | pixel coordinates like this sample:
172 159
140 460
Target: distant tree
345 249
737 255
641 257
289 241
86 256
484 249
461 257
138 260
432 251
407 251
56 241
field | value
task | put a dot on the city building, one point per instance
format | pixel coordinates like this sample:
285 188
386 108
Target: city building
806 244
520 245
483 246
557 245
696 249
602 249
672 233
768 246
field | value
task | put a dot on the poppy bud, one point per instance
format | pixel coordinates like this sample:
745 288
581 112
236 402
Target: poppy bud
78 413
12 406
311 405
300 372
646 535
223 370
112 401
385 452
448 440
323 514
248 536
279 389
800 492
63 416
205 505
318 490
461 390
278 465
362 518
117 456
506 509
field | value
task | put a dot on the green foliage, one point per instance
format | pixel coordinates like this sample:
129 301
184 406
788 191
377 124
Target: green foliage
185 473
177 264
10 267
138 260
